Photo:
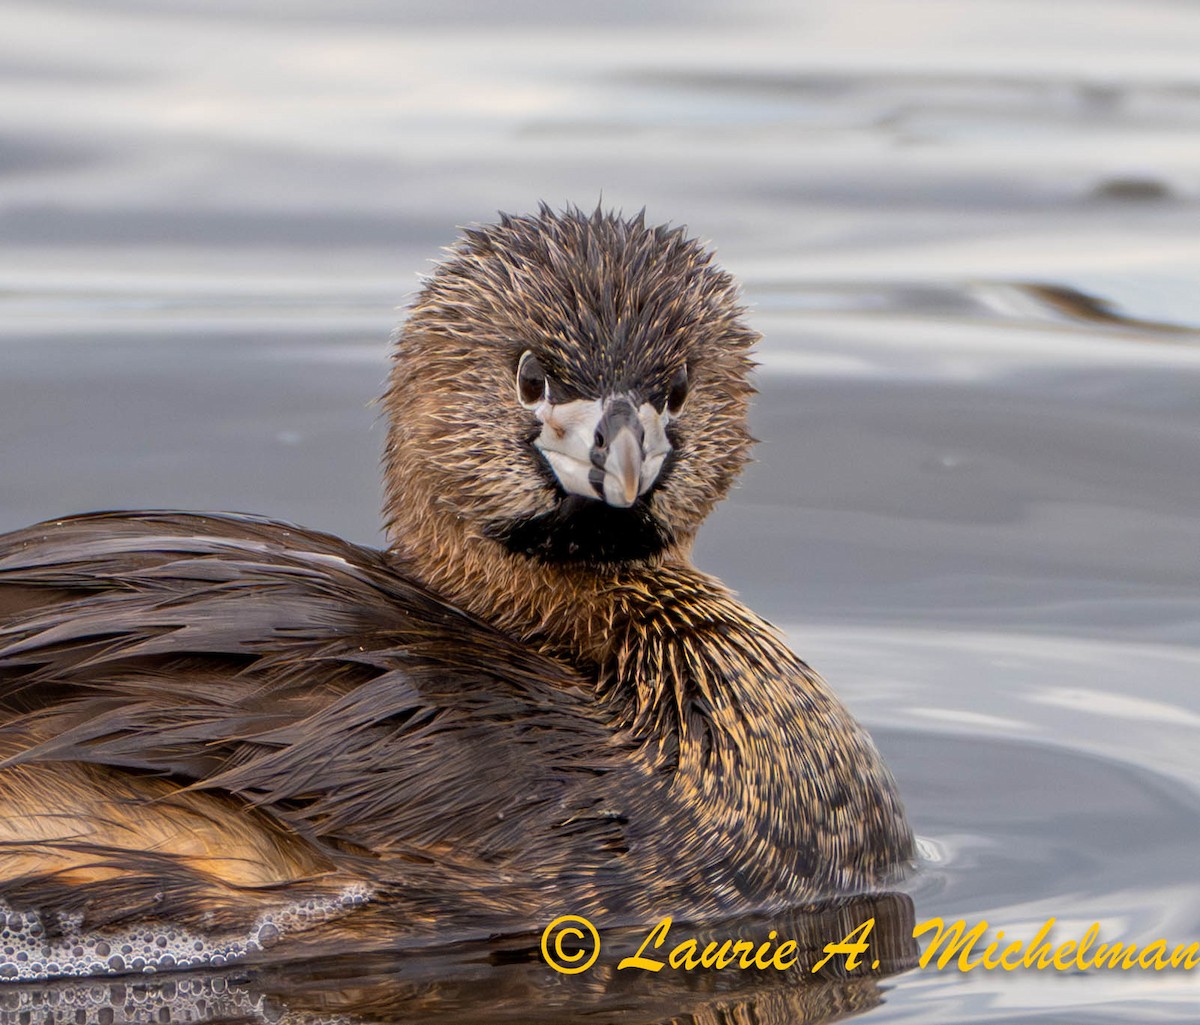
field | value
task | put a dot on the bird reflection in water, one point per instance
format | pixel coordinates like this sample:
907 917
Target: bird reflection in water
506 981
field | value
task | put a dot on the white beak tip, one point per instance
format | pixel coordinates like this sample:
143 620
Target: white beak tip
619 493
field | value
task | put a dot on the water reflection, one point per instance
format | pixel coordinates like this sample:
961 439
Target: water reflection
507 981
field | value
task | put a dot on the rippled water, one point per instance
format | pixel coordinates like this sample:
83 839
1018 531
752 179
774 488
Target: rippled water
970 233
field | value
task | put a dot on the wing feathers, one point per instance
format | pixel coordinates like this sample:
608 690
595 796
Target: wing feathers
223 691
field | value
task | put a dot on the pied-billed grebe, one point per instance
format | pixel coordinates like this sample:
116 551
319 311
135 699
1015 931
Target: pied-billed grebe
220 732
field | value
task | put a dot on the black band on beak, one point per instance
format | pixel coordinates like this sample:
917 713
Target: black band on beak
619 413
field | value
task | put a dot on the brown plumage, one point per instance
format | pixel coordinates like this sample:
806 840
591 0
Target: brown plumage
531 704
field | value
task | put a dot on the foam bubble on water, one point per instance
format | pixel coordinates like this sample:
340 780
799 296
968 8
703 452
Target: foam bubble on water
27 953
103 1002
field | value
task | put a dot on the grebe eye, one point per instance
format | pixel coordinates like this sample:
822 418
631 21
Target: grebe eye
677 391
531 381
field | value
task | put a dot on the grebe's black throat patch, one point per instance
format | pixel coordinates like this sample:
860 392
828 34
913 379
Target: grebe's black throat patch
585 530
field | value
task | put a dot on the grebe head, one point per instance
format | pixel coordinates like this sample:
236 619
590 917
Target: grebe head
572 387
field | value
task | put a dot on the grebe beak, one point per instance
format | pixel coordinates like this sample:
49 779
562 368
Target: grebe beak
611 449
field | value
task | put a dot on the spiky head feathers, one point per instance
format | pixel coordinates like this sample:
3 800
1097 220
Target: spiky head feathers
614 315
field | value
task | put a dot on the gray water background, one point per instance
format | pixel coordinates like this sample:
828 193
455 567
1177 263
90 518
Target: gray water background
969 232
